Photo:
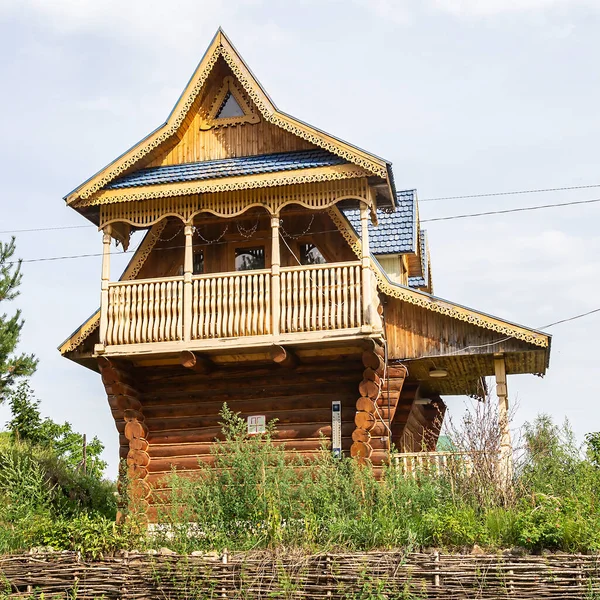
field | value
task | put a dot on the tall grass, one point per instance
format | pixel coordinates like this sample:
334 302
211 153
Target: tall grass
256 498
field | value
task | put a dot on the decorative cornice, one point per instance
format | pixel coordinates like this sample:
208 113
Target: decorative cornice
169 190
436 304
314 196
131 272
221 47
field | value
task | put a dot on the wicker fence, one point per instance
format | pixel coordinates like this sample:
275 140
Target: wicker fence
368 576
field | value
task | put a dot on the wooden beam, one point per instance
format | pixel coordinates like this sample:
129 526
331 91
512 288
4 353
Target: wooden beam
195 362
506 457
284 357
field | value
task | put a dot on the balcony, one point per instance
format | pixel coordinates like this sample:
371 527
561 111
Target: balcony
244 308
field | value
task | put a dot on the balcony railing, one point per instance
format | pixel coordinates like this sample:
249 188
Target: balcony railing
438 464
231 305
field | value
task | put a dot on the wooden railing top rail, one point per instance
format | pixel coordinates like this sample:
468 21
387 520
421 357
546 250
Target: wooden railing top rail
231 274
353 263
130 282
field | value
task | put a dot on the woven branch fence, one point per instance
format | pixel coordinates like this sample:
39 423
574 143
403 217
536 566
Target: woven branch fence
366 576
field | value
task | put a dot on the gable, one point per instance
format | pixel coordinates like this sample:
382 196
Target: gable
164 145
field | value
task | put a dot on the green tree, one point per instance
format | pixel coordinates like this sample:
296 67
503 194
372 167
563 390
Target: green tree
27 425
12 366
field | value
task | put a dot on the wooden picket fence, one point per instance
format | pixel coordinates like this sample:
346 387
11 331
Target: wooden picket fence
357 576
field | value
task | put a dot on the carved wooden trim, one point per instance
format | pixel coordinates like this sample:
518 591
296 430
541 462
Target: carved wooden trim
435 304
316 196
221 47
229 86
170 190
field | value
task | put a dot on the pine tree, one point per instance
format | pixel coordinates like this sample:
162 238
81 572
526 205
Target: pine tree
12 366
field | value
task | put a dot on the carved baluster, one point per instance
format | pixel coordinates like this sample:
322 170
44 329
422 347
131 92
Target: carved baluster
338 287
352 295
261 304
326 298
255 304
168 310
236 324
295 301
345 295
231 309
220 306
195 310
290 301
268 309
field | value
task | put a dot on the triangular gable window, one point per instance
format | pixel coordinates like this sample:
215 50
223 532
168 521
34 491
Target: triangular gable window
230 107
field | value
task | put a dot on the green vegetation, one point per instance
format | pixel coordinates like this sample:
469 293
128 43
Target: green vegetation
255 498
12 366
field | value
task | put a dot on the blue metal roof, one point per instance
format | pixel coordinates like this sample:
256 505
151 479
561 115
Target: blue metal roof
228 167
397 231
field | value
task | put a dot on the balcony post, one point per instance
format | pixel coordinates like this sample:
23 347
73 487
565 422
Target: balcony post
105 279
506 457
366 265
275 275
188 269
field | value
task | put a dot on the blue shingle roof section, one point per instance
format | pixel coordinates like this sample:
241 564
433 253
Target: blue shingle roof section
397 231
228 167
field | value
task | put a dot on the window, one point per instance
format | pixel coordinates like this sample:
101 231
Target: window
198 262
230 108
249 259
311 255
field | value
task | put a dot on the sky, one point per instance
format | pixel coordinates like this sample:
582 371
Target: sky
462 96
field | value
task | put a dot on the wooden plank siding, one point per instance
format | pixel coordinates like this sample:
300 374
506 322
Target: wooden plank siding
196 144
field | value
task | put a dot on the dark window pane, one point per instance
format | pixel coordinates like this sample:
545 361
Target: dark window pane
198 262
248 259
311 255
230 108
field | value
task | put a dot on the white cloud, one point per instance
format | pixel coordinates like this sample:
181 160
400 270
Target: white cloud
484 8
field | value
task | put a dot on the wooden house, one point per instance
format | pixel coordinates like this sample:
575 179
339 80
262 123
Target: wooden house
281 272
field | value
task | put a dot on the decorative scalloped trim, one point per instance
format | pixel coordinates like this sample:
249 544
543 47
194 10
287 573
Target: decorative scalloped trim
316 196
418 299
111 172
222 185
131 272
229 87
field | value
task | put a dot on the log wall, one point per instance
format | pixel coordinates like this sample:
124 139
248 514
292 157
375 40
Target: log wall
181 408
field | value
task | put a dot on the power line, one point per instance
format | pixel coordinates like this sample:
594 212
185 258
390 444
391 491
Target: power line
590 312
510 210
534 191
48 229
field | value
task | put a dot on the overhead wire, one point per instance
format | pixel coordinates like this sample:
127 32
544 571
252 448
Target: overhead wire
510 210
516 192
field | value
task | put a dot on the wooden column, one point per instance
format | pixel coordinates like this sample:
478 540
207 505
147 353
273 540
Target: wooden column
275 276
366 264
506 457
105 279
188 268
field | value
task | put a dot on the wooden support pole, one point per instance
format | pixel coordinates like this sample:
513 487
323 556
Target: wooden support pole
506 457
366 265
275 275
284 357
195 362
188 268
105 280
